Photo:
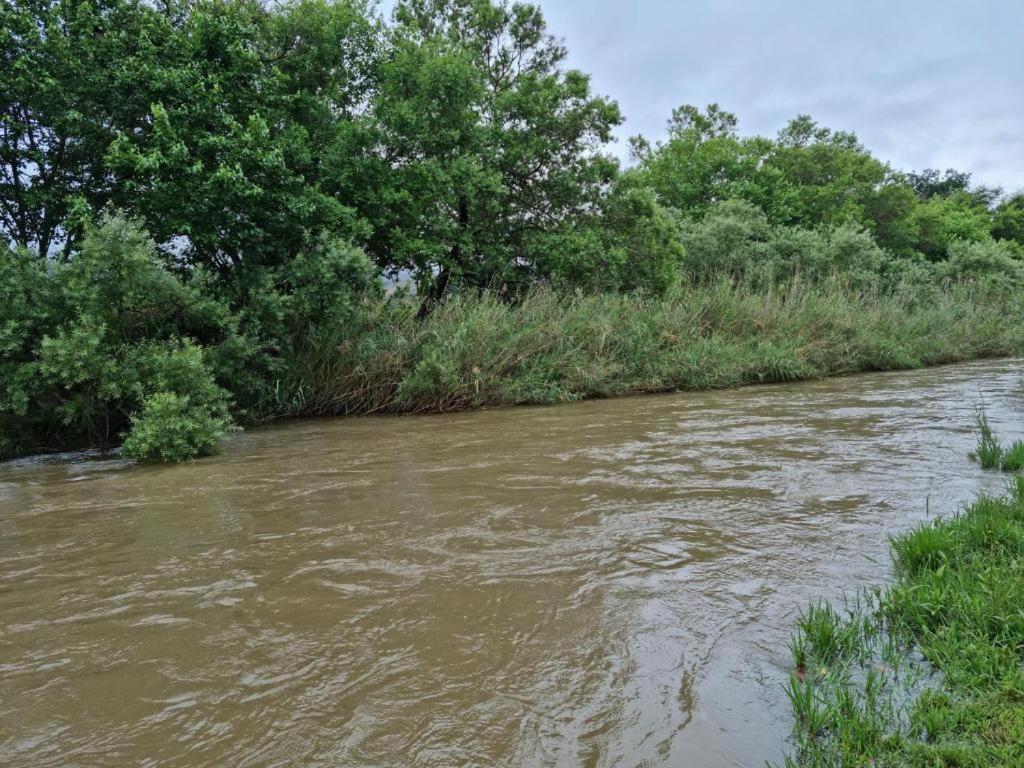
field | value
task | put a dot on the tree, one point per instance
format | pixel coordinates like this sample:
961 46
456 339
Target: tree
833 176
890 215
714 123
1008 223
230 160
704 162
933 183
488 141
941 221
213 122
73 75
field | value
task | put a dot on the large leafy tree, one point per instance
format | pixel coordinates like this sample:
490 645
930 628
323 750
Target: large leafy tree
232 157
233 129
487 142
1008 221
704 161
73 76
834 177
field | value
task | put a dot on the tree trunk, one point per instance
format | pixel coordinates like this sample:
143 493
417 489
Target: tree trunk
444 276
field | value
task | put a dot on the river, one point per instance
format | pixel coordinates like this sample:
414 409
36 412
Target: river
606 583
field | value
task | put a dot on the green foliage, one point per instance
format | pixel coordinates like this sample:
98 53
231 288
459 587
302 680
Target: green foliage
989 452
553 346
200 118
941 221
91 339
324 284
283 156
833 175
704 162
1008 223
989 262
171 428
889 213
925 671
72 76
491 140
735 238
632 244
826 634
1013 458
730 239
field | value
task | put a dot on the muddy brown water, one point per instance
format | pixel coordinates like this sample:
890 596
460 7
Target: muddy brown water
608 583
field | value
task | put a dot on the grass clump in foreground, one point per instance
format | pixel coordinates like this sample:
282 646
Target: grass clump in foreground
990 452
477 350
928 671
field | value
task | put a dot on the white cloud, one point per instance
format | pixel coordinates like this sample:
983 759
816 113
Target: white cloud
923 83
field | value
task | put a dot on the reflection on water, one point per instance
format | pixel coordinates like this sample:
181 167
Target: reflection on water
597 584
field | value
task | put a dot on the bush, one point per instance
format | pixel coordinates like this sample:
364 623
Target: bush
88 341
172 428
632 245
730 239
324 284
735 238
990 263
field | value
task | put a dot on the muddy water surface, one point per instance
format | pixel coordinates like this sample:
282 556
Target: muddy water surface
608 583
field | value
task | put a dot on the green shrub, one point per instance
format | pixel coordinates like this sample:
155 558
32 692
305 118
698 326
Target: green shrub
631 245
87 341
735 238
730 239
990 263
171 428
325 283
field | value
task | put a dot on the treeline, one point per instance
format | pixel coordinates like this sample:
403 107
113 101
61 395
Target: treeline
193 191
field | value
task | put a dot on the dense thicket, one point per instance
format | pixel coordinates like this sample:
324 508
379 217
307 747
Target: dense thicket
192 191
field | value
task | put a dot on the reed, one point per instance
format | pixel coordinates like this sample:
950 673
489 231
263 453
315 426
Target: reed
478 350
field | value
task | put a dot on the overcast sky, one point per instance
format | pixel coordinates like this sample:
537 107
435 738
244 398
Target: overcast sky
923 83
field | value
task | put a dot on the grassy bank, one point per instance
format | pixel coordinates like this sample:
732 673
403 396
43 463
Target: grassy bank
928 671
476 351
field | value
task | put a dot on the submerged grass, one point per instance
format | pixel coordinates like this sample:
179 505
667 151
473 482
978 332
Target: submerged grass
928 671
989 452
477 350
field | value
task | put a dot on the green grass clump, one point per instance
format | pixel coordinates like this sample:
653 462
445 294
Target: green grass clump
989 452
1013 457
928 671
477 350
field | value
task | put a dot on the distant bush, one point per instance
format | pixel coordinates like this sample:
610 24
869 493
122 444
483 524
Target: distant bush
735 238
632 244
731 239
989 262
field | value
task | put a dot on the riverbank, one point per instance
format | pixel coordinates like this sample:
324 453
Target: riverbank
928 670
478 351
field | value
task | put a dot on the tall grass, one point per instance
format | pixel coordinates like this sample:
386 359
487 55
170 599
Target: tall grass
928 671
990 452
478 350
